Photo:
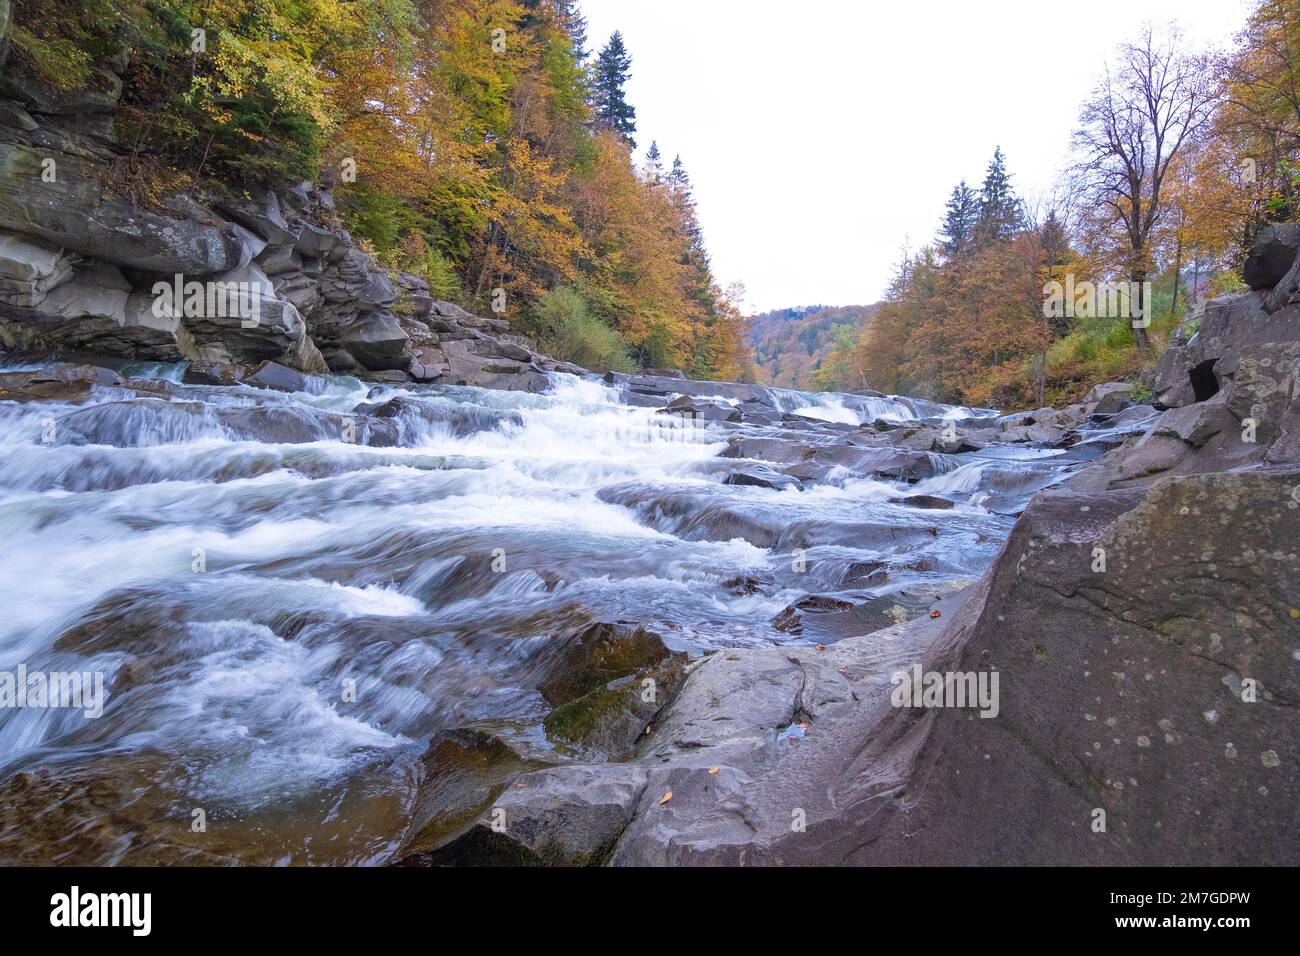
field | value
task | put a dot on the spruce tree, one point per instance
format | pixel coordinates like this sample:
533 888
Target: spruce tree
958 233
654 165
611 106
1001 214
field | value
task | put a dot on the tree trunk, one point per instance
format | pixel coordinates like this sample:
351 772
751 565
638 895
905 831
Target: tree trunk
1138 278
1178 268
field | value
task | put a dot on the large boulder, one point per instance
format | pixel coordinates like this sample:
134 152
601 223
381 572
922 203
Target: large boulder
1145 715
75 211
1275 251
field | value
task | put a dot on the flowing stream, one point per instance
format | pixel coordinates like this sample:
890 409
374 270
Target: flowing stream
283 619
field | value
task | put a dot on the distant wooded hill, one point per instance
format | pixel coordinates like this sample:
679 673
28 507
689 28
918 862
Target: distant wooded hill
793 347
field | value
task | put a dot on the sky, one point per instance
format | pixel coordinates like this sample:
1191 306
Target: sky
823 135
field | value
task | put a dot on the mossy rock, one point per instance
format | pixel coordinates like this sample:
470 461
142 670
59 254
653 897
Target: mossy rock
610 719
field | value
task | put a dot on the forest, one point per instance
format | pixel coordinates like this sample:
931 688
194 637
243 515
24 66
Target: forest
1179 157
479 144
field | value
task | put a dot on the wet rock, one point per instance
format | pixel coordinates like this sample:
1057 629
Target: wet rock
932 502
597 655
275 376
790 621
57 383
459 419
560 816
763 479
208 373
465 770
608 720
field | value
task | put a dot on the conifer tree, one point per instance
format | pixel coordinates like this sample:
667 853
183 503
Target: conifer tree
958 233
654 165
612 109
1001 214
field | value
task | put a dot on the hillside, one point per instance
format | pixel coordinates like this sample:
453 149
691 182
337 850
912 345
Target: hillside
792 346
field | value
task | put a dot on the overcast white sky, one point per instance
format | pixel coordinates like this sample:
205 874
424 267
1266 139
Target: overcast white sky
820 134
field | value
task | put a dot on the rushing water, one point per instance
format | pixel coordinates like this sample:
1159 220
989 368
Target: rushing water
231 589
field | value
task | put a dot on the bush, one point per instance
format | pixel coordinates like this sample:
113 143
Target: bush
570 332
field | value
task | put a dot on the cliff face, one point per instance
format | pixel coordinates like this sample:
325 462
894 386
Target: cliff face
85 269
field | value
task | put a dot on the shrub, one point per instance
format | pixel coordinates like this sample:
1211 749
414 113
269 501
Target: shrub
569 331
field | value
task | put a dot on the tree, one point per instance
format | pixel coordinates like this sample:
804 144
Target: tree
612 109
1131 131
1261 110
1000 215
962 211
654 165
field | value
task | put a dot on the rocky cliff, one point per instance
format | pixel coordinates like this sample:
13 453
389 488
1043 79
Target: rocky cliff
85 265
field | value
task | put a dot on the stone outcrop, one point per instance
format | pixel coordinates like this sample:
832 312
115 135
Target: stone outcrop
81 262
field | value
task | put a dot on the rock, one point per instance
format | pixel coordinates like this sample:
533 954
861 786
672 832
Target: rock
13 115
75 213
1121 690
1109 397
276 376
608 720
30 268
790 621
413 418
241 321
560 816
763 479
923 501
1272 256
464 771
377 341
207 373
57 383
697 410
596 655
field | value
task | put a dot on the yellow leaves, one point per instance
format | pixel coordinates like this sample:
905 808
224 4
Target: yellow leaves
665 798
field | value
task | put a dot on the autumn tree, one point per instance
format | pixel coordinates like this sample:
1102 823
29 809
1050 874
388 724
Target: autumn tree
1131 131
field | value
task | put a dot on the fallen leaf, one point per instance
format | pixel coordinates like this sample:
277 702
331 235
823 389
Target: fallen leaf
665 798
936 614
714 769
821 647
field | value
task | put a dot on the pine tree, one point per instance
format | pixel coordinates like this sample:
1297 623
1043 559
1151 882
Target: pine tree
958 233
1001 214
611 106
654 166
677 177
575 25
